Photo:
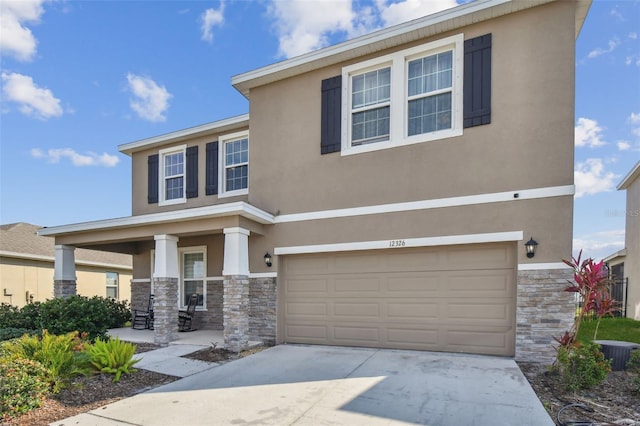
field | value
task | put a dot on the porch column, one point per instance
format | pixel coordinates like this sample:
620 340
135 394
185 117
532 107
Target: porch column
64 275
235 305
165 288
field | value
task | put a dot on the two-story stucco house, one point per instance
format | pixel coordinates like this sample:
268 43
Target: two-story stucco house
378 193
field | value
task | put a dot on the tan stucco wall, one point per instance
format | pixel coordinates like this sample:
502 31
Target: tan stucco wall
20 275
632 245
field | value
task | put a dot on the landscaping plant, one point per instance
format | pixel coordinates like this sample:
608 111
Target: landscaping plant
23 385
112 356
582 365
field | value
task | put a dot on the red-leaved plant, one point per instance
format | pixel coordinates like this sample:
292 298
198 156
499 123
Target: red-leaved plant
591 284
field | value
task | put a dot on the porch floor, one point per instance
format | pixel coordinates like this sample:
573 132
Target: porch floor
197 337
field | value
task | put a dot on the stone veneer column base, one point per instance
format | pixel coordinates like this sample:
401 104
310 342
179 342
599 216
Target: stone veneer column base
544 310
64 288
235 310
262 309
165 310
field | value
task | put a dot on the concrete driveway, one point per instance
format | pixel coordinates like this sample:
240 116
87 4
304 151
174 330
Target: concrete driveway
320 385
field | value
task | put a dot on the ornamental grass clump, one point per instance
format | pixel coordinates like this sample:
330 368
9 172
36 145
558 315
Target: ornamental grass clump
112 356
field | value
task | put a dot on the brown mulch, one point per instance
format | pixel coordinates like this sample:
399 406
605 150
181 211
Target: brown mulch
616 401
91 392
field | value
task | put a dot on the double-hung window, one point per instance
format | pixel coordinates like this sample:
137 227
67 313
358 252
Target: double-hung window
410 96
172 175
193 275
112 285
234 164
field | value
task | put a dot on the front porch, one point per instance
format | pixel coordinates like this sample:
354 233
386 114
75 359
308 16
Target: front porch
197 338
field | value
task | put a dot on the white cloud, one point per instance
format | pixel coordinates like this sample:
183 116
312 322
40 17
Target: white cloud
588 133
599 244
611 46
149 101
211 18
89 159
303 26
634 118
590 178
406 10
32 100
623 145
15 38
633 35
632 60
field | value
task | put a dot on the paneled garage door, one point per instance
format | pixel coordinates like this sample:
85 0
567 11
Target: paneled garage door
454 299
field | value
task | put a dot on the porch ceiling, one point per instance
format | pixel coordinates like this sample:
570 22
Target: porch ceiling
121 234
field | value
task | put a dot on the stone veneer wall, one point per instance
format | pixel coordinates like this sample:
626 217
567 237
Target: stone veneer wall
543 310
140 292
212 318
262 310
64 288
236 312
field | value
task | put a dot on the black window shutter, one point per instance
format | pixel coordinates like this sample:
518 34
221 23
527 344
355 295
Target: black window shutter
330 132
192 172
477 81
211 165
152 171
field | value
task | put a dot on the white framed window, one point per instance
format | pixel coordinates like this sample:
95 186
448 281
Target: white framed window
172 176
193 273
234 164
410 96
112 285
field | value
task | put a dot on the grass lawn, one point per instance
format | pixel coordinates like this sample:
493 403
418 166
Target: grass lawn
624 329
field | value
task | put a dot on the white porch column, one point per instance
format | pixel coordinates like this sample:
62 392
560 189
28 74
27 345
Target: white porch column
165 287
235 302
236 251
64 275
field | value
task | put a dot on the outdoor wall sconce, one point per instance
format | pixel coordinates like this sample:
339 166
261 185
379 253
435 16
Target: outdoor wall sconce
267 259
531 247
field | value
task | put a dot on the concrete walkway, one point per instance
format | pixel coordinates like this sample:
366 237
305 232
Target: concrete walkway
320 385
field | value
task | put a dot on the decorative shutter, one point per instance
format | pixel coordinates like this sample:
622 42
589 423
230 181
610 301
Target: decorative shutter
330 133
211 166
192 171
477 81
152 179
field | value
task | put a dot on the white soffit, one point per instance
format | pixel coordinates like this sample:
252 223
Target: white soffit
630 177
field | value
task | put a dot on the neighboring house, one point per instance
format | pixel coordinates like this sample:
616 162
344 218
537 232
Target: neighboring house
379 194
27 266
625 264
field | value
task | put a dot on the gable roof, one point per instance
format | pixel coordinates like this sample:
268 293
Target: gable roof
426 26
630 177
19 240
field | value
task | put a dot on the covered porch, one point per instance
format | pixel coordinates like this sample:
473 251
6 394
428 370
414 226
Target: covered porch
201 250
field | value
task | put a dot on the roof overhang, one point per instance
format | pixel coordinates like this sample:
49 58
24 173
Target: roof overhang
239 208
220 126
614 256
427 26
630 177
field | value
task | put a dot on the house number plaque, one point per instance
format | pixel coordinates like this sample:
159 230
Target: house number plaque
397 243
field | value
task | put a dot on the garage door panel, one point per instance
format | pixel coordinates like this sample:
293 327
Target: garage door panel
458 299
308 265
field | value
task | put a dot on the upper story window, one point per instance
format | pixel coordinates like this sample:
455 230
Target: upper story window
410 96
234 164
172 175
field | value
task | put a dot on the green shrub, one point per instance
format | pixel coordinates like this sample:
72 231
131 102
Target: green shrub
582 366
61 356
119 313
112 356
23 385
633 365
12 333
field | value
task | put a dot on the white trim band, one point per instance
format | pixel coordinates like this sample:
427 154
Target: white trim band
541 266
497 197
403 243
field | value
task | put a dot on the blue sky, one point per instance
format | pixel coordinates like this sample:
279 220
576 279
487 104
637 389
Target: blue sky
80 78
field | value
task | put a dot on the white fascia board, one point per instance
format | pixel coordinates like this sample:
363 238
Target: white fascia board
542 266
630 177
239 208
52 259
386 38
219 126
399 243
619 253
496 197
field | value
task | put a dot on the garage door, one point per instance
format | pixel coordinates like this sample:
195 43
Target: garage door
454 299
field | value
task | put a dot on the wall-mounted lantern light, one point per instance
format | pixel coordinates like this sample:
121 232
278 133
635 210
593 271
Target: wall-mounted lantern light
531 247
267 259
